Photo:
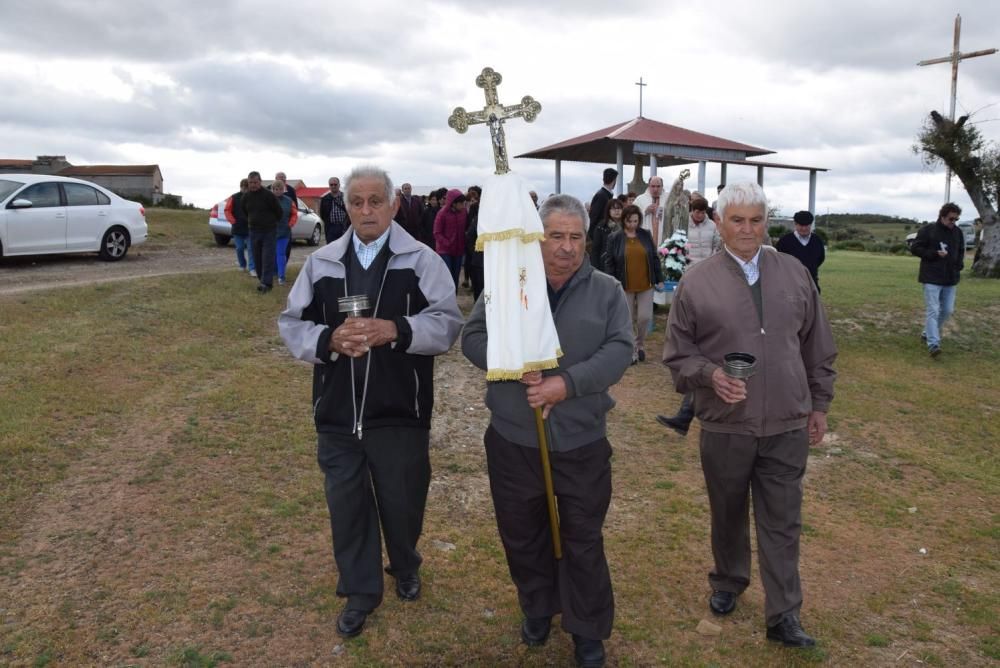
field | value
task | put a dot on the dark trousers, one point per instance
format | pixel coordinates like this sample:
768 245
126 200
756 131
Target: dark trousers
384 476
454 263
772 468
263 245
578 585
477 278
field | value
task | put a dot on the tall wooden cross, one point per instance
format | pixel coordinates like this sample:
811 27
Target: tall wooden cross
641 86
954 58
494 115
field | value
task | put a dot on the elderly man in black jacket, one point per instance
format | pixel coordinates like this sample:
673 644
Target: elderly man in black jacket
941 249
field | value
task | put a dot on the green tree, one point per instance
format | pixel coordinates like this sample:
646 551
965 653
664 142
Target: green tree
976 163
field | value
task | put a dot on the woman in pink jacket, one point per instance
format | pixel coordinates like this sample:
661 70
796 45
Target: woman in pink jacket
449 232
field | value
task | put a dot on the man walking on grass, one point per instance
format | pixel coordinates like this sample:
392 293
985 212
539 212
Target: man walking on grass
941 249
756 430
373 388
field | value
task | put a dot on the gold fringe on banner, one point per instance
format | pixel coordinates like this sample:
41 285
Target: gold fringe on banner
511 374
506 235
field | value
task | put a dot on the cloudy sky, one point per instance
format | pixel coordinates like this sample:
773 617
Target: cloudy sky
211 90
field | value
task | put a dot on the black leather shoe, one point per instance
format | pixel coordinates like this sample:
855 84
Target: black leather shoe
408 587
641 355
678 425
535 630
351 622
589 653
789 633
722 602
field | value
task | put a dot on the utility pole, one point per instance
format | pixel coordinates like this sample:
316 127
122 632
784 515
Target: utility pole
955 58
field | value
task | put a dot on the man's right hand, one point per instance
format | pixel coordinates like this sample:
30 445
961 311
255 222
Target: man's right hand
348 339
730 390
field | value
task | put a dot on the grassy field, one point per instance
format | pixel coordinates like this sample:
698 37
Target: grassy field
160 501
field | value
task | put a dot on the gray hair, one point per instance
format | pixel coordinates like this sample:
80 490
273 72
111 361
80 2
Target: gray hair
746 193
370 172
566 205
278 183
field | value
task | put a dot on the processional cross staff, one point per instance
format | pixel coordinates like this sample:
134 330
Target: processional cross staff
494 115
954 58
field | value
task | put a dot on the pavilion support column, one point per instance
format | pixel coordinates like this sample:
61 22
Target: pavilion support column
701 177
722 173
558 176
620 157
760 176
812 191
652 165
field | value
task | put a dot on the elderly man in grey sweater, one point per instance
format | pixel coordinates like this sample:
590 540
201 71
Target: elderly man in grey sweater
595 332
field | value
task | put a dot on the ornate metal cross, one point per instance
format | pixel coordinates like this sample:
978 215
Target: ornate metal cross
494 115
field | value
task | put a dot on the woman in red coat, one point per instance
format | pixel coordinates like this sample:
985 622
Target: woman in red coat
449 232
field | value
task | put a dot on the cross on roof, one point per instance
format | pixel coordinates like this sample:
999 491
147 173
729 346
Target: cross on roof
494 115
641 86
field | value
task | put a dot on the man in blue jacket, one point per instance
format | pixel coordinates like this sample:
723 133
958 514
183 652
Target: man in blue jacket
373 387
941 249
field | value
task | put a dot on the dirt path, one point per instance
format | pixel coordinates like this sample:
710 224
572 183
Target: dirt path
43 272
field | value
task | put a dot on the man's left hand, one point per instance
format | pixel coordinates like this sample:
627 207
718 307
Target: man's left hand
816 427
377 332
547 394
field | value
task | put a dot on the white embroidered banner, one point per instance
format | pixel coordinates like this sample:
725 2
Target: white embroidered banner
521 334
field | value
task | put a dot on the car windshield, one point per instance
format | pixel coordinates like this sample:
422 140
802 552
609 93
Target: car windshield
7 187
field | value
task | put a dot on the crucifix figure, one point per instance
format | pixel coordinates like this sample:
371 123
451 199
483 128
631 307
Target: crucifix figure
641 86
494 115
955 58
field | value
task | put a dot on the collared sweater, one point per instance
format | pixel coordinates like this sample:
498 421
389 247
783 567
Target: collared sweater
713 313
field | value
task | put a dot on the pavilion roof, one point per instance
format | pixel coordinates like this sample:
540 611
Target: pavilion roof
671 144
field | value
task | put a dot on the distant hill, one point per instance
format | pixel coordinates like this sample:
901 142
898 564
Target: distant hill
853 219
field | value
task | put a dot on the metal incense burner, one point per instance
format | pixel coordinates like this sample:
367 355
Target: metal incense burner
355 306
739 365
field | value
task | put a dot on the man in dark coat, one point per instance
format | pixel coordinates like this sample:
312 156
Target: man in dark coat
333 212
804 245
600 200
941 249
263 212
411 209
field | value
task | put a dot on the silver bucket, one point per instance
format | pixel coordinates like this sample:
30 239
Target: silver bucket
739 365
355 306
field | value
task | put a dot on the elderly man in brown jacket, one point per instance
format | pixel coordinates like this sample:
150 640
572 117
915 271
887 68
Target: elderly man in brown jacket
755 433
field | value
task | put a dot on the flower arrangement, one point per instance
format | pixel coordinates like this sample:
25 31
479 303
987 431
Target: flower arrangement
674 255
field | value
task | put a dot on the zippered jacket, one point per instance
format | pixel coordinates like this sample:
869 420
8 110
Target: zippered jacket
417 294
935 269
713 313
595 334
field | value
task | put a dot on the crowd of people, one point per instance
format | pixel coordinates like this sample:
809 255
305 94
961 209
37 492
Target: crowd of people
373 388
374 377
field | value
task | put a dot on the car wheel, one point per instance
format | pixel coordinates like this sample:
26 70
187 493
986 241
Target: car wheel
316 236
115 244
222 239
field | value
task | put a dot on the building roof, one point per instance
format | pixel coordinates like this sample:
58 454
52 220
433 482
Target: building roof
109 170
311 192
670 143
14 162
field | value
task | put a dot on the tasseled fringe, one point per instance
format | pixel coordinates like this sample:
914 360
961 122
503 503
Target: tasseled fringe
505 235
505 374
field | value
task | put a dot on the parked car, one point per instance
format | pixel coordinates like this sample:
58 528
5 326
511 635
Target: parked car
308 227
968 228
43 214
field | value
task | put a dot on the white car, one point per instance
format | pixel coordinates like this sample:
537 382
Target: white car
43 213
307 228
